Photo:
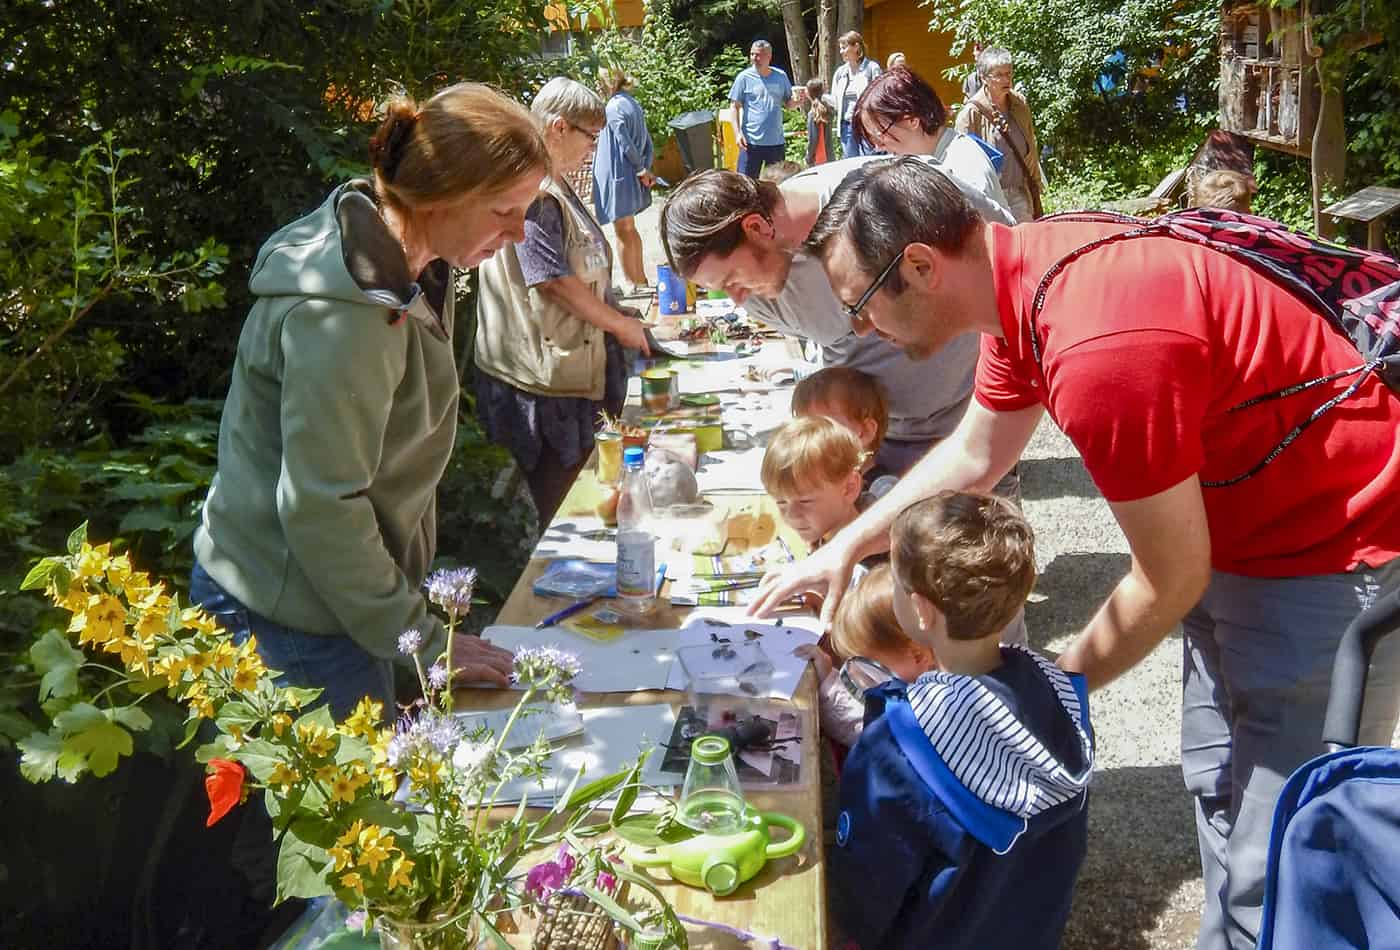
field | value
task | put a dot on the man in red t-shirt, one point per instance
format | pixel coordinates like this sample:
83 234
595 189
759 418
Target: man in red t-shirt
1145 347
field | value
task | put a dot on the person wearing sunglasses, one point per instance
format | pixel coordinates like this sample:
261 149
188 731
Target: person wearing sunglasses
550 337
1261 540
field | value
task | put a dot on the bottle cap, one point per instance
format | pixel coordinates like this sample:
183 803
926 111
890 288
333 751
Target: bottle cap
632 455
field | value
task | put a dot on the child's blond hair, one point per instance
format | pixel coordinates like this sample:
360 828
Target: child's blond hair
972 555
865 624
779 172
808 452
1223 188
858 394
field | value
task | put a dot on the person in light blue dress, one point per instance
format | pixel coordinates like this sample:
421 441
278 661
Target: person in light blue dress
622 178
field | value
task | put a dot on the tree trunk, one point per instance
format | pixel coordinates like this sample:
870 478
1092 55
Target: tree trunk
798 49
826 40
850 16
1329 154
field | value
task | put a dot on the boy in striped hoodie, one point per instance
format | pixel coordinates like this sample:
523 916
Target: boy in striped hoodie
964 803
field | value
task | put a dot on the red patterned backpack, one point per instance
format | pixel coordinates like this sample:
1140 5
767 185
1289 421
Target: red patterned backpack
1356 291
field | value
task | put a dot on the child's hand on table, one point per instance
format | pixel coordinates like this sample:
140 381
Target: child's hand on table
818 656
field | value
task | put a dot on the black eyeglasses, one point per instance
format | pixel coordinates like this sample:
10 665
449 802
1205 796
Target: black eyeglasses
886 130
855 309
592 136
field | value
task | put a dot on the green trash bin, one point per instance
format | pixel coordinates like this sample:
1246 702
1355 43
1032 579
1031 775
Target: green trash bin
695 135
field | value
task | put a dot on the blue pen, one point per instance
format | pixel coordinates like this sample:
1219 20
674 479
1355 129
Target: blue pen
578 605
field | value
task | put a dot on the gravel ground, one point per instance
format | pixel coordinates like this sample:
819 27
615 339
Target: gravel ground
1140 887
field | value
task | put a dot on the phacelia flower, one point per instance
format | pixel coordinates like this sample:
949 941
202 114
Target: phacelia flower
357 921
410 641
470 757
437 676
452 589
539 665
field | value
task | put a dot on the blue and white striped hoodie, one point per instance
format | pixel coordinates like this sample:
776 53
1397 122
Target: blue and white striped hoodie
964 809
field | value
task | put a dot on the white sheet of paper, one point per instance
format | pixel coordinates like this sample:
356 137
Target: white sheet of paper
581 537
637 660
731 470
778 643
612 738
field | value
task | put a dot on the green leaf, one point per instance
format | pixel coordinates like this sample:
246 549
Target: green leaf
300 696
301 866
77 538
56 658
260 757
78 717
501 942
594 790
39 756
236 713
628 796
613 908
133 717
649 831
100 746
567 799
191 730
39 574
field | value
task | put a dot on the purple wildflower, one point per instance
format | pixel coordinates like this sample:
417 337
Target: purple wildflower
440 732
398 749
537 665
565 859
357 920
606 882
437 676
410 641
452 589
544 879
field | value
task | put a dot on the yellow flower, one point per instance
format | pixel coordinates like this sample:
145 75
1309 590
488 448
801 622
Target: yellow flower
171 665
197 620
118 570
134 653
92 561
374 848
150 623
344 787
352 834
248 658
280 722
143 594
245 678
197 663
343 857
426 773
364 721
327 773
318 740
75 600
386 780
223 656
353 880
399 874
283 776
104 618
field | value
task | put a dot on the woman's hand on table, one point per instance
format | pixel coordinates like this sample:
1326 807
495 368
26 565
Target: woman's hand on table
827 572
480 661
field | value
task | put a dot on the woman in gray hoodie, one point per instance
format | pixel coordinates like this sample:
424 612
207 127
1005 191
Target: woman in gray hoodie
319 527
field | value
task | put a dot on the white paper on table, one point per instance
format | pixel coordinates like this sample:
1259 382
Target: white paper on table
637 660
731 470
778 643
583 537
551 721
613 737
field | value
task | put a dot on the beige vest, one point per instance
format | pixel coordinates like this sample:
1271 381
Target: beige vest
524 339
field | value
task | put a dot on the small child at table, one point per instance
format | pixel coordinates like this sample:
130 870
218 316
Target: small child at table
856 401
812 470
963 817
864 625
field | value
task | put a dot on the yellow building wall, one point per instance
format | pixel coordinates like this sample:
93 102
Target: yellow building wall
902 26
629 13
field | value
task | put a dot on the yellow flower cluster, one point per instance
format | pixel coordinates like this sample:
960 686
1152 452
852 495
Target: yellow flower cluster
367 846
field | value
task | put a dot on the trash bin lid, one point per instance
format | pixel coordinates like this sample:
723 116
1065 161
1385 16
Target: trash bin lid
689 120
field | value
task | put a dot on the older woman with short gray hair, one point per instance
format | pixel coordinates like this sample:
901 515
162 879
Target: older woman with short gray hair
550 338
1000 115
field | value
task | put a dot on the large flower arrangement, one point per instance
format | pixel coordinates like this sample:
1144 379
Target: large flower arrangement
429 861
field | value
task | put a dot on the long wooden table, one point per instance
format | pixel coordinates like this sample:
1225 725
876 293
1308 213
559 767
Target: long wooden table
787 898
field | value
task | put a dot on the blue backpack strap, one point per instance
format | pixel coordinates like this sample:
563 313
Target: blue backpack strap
1357 292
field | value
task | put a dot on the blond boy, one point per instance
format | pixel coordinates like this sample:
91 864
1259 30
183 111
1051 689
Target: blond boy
812 469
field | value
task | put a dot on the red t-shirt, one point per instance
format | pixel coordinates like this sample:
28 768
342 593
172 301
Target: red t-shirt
1148 343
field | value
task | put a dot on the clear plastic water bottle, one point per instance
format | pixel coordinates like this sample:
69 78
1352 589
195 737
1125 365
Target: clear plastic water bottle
636 543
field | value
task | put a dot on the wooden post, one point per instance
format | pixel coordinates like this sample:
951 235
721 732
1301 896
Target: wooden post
1329 153
798 50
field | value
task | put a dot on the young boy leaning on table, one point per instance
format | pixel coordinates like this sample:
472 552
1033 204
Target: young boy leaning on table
964 802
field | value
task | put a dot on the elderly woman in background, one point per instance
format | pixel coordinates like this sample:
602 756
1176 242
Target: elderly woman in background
622 178
847 83
549 336
341 415
902 114
895 59
999 114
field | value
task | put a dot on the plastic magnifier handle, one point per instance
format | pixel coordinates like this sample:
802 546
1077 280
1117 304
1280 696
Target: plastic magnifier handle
641 858
797 835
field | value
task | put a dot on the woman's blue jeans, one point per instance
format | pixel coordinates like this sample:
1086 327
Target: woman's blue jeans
851 145
338 666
